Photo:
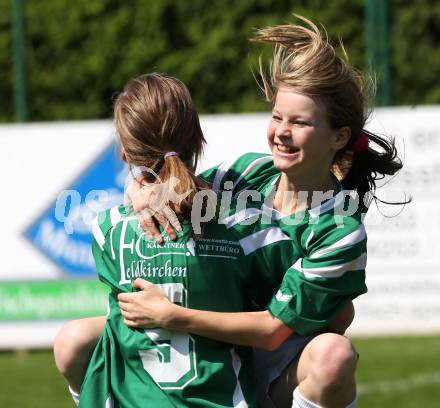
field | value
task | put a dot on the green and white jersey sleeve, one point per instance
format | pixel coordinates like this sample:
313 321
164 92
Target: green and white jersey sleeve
329 273
249 171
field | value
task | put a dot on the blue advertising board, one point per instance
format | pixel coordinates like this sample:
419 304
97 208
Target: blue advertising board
63 231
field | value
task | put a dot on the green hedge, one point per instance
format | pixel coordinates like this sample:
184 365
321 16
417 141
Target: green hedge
79 53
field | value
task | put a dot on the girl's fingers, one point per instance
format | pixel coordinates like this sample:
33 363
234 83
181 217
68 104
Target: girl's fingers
171 216
148 223
129 323
162 220
142 284
125 297
123 307
127 307
127 315
136 325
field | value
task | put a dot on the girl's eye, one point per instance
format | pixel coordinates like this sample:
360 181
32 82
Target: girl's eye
300 123
276 118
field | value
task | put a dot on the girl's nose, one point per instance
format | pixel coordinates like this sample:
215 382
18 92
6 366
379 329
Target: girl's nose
282 129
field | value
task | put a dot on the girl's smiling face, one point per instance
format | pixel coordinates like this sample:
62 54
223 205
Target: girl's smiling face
300 136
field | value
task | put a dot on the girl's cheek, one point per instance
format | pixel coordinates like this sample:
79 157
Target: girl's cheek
271 130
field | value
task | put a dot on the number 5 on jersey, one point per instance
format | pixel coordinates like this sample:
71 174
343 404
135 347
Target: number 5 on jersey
171 359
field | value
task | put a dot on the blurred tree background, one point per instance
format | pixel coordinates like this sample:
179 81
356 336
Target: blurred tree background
80 53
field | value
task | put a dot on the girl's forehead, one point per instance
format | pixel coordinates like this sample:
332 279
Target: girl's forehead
294 101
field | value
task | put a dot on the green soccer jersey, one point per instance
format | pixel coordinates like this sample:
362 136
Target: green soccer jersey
303 268
157 367
311 263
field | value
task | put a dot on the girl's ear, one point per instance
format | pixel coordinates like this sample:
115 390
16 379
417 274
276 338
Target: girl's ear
123 155
341 137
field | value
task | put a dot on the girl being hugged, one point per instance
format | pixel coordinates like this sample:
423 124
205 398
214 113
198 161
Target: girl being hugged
160 133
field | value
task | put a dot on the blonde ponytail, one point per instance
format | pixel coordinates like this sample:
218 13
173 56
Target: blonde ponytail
182 185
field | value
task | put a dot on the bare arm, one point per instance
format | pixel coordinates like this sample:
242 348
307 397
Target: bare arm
151 308
256 329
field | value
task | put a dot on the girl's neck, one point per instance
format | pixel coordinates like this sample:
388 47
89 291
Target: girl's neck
294 194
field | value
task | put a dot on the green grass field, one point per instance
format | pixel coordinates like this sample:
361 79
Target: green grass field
392 372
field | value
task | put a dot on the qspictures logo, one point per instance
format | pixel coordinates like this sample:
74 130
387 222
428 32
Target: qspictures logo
63 231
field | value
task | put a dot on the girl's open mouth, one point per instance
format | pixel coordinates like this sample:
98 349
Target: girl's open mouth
286 149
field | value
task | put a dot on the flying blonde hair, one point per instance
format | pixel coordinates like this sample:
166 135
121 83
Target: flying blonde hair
304 61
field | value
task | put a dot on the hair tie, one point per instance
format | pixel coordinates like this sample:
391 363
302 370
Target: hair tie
169 154
361 143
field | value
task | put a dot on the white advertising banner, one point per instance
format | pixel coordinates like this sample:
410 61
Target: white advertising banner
403 273
38 161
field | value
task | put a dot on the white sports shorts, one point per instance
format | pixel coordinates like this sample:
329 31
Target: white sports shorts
270 364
